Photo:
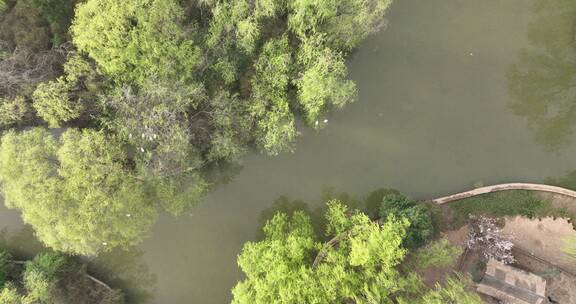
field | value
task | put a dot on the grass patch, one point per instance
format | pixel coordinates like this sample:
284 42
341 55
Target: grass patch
507 203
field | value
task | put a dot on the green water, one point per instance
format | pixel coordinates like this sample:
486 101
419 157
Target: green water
435 115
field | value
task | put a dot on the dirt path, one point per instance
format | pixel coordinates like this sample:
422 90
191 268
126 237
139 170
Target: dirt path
504 187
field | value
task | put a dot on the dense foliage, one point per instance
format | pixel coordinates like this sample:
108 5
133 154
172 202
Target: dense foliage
74 190
420 217
165 93
52 279
359 265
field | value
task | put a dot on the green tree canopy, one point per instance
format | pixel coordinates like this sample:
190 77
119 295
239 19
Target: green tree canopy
420 217
53 104
360 263
135 39
361 267
344 23
166 93
75 191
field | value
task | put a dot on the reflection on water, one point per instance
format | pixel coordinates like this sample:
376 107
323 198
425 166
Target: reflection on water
21 243
432 118
543 81
368 204
285 205
565 181
121 269
124 269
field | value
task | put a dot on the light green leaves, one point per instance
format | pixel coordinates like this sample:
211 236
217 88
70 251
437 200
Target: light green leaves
74 191
270 102
439 253
136 39
13 111
52 102
322 84
344 23
361 266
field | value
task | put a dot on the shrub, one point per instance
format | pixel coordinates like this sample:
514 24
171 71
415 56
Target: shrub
56 11
420 217
4 267
41 274
439 253
9 294
12 111
53 104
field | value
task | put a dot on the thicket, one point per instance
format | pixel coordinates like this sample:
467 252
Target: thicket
50 278
363 262
156 97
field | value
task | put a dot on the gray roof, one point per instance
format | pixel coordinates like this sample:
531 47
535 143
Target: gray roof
512 285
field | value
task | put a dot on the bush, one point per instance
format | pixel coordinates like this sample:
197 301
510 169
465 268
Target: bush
12 111
4 268
420 217
41 274
9 294
56 11
439 253
53 104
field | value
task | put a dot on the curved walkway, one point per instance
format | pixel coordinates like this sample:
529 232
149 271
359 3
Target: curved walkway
462 195
504 187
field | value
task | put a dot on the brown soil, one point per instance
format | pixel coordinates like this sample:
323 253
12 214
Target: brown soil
560 286
544 238
560 201
458 237
437 275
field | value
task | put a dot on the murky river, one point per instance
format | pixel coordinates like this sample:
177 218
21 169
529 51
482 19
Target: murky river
448 99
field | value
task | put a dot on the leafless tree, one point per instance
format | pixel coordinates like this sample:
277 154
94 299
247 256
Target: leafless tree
488 238
21 69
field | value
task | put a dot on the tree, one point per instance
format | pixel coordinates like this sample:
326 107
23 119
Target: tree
453 291
361 267
239 23
4 267
40 277
54 278
13 111
344 23
270 96
136 39
420 217
360 263
322 82
52 102
22 69
9 294
56 11
166 93
75 191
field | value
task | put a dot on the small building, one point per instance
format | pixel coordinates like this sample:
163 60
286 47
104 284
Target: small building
512 285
